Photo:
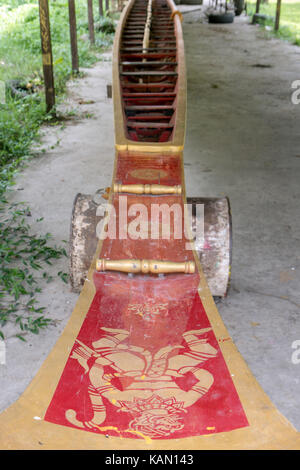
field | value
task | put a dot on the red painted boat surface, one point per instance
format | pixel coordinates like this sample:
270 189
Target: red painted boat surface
146 362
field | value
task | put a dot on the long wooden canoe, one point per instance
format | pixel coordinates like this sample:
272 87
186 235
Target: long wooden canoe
149 79
145 361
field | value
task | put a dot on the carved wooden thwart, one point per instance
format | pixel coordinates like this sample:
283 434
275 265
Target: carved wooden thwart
145 266
145 361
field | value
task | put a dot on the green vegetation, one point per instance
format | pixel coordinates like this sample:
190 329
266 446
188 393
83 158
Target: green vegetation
289 19
23 255
22 112
21 70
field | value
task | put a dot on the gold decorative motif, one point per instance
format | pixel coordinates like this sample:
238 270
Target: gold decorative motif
176 12
146 385
150 174
145 310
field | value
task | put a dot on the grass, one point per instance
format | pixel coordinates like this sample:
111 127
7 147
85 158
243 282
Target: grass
20 59
24 259
289 19
23 254
20 45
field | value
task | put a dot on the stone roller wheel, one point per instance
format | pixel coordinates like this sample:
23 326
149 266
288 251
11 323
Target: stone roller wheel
214 251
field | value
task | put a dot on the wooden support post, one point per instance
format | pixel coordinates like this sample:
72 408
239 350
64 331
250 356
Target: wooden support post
100 7
91 21
277 20
73 36
109 91
257 6
47 54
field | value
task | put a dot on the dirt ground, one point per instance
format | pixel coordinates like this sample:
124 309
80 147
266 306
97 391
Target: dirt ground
242 141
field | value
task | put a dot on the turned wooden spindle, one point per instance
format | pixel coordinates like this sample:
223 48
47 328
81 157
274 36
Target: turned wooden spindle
145 266
146 189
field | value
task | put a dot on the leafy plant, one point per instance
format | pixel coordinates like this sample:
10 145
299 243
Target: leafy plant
24 259
105 25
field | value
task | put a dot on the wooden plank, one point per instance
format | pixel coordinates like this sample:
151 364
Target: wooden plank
158 41
149 85
146 55
150 118
134 43
147 107
146 73
148 101
149 125
150 95
138 49
132 35
148 64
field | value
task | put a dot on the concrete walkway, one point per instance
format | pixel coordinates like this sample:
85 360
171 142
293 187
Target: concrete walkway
242 141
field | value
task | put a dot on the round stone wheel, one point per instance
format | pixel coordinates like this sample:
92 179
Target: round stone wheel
213 249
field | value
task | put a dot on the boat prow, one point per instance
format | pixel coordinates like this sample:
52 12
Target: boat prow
145 361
